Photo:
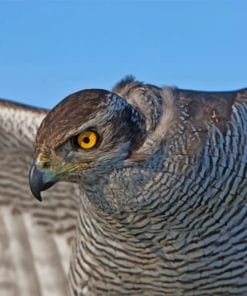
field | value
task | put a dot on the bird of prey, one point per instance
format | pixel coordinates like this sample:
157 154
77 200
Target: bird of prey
161 188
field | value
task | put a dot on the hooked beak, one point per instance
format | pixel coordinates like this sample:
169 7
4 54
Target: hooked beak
41 180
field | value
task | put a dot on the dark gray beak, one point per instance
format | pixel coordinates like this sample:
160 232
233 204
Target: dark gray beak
40 180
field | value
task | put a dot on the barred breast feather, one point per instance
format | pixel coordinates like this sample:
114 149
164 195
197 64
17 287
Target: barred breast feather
181 228
160 206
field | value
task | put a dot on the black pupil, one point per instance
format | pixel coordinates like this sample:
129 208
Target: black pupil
86 140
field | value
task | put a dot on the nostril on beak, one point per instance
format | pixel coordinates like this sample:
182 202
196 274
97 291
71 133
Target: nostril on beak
45 165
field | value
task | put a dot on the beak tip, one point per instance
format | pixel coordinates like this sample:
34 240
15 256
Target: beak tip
33 182
38 196
40 181
35 192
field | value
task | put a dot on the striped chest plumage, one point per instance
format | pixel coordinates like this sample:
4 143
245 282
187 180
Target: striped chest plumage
188 237
162 191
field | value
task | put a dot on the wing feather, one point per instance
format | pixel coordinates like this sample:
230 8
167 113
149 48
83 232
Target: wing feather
34 238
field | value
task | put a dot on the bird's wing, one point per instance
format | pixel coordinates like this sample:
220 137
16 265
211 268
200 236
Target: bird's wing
34 237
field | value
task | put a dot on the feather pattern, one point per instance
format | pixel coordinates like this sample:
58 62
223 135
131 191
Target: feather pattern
179 224
35 239
161 208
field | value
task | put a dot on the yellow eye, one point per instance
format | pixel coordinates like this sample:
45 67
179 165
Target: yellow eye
87 139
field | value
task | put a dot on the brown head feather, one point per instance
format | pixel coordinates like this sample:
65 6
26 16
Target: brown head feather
69 114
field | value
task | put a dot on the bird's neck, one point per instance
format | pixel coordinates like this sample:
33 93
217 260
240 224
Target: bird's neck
176 208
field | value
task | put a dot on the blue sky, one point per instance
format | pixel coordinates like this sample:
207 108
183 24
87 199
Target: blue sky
49 49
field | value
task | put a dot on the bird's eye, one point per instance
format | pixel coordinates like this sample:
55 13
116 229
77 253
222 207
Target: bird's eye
87 139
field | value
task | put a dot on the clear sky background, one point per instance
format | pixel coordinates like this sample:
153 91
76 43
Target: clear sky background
49 49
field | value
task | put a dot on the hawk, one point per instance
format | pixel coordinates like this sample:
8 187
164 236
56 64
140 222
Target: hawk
161 181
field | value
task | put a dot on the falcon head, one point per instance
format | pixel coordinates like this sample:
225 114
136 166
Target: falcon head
113 143
84 138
